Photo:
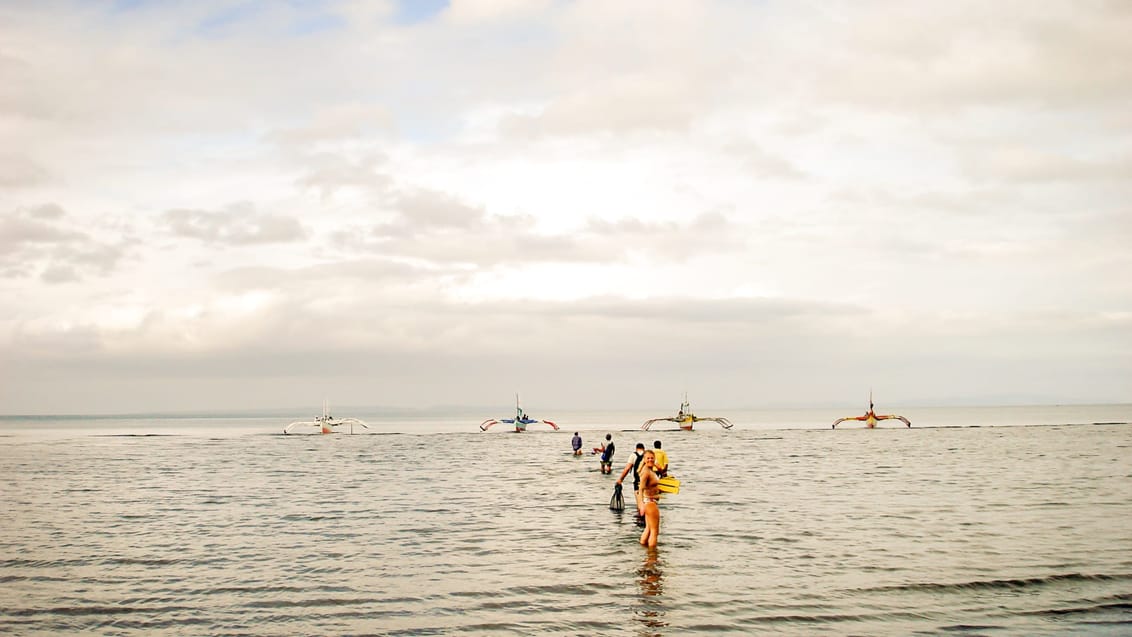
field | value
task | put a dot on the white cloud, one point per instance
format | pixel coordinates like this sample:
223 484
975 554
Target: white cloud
236 225
766 201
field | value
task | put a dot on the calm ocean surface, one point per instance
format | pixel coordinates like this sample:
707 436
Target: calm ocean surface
988 521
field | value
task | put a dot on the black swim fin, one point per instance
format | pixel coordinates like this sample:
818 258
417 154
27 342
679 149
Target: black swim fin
617 502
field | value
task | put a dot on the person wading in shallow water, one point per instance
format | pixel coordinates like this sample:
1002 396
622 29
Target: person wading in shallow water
661 459
650 496
576 444
634 465
607 450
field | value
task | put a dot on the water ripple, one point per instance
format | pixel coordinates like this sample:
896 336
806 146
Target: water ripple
973 530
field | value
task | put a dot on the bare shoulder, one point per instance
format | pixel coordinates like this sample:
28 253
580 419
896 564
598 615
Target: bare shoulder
650 479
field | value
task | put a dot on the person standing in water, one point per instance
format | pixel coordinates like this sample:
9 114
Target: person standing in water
650 496
661 459
576 443
634 465
607 450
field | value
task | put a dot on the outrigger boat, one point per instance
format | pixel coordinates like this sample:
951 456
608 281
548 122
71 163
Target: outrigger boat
870 418
326 423
686 419
521 420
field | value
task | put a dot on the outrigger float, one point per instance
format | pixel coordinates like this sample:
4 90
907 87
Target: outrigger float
520 421
870 418
686 419
326 423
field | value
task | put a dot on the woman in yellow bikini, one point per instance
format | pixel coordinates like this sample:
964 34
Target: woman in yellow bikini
650 495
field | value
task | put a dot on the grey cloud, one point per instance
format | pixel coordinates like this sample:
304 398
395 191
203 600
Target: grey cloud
20 171
442 230
235 225
47 211
427 215
18 97
18 230
100 257
329 173
59 274
431 210
706 233
746 310
297 323
623 228
171 80
42 239
309 280
743 351
965 201
1037 166
666 75
344 122
1059 53
762 162
445 247
640 105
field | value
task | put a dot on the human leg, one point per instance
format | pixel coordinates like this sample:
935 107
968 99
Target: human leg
652 525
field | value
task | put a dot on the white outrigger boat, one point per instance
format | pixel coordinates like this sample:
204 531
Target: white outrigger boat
326 423
521 420
686 419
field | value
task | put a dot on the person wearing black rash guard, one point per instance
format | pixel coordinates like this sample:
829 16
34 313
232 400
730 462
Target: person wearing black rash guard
633 465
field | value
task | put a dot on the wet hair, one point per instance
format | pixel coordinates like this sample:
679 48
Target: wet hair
609 436
656 444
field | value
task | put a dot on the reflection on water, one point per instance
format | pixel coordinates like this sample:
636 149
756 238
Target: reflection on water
650 608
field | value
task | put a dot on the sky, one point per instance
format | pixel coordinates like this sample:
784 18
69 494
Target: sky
594 204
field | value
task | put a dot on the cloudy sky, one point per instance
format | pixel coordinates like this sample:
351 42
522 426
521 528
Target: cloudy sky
598 204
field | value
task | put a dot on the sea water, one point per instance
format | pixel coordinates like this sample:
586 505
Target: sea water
988 522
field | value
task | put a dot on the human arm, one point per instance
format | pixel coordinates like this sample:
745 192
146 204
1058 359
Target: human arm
625 472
